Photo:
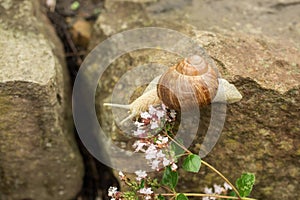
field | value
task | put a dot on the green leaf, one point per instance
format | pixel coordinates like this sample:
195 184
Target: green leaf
75 5
160 197
129 195
181 196
142 185
153 183
170 178
176 148
245 183
232 194
168 127
192 163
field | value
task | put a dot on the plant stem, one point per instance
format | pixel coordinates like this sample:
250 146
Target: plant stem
209 195
209 166
166 188
223 177
180 145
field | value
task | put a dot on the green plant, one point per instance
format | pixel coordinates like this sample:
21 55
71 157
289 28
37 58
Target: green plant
162 152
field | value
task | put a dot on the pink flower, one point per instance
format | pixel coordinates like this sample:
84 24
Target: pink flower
162 140
227 186
173 114
152 110
160 154
160 114
151 152
154 125
174 167
139 124
141 174
155 164
208 190
121 175
138 145
218 189
139 132
146 191
145 115
166 162
112 191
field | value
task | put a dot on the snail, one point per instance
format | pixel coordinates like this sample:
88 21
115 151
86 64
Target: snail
191 82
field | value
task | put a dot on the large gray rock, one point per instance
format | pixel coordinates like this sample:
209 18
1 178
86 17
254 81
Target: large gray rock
39 158
276 18
261 133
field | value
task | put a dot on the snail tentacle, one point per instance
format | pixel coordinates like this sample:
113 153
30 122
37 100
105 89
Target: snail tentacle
141 104
117 105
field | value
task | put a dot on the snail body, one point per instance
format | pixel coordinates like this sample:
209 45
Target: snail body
191 82
141 104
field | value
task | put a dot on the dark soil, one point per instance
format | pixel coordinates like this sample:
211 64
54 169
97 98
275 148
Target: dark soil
98 177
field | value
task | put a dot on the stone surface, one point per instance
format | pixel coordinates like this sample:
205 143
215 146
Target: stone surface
274 18
39 158
261 133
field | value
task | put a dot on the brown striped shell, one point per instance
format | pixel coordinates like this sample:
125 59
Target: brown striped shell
192 82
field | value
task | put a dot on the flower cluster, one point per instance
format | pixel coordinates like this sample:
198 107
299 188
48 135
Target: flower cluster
217 189
145 191
153 120
140 187
155 139
156 149
157 153
113 193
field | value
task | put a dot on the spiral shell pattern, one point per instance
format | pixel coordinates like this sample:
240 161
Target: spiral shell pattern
192 82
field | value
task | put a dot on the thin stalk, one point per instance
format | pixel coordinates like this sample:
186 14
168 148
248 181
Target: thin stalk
184 154
180 145
166 188
223 177
209 195
209 166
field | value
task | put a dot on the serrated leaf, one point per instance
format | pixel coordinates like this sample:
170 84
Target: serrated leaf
192 163
181 196
245 184
170 178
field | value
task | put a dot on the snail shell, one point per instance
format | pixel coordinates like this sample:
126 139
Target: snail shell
192 82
